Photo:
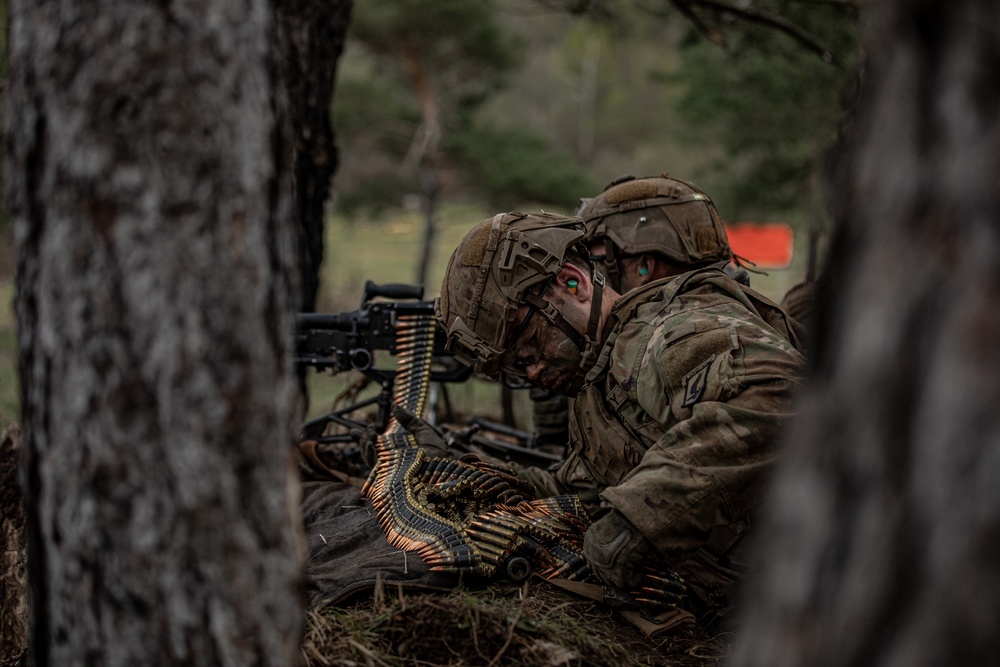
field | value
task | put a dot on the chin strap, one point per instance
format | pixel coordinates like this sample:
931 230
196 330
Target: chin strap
588 353
588 343
612 263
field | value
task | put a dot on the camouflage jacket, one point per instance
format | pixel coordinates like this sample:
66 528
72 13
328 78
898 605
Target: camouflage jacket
676 425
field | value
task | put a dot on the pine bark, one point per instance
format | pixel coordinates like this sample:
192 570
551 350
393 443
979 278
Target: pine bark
881 548
311 39
13 560
149 180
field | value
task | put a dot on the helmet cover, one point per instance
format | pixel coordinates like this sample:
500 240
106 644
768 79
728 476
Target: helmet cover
492 269
656 215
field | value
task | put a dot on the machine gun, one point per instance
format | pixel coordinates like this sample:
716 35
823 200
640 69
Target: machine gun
339 342
356 341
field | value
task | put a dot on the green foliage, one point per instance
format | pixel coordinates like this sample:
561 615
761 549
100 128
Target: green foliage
773 106
594 96
512 165
455 45
366 101
372 196
408 58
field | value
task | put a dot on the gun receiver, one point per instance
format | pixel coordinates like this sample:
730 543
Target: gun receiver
349 341
339 342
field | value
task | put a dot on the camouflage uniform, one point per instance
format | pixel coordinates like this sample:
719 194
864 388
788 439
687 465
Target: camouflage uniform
676 426
683 383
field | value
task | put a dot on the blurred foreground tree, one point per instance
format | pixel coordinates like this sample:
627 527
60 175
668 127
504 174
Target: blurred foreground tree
882 547
149 180
4 221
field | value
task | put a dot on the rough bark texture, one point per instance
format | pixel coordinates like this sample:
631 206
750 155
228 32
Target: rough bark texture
13 563
150 190
882 547
312 34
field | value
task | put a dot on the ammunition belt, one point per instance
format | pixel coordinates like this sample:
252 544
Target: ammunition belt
463 517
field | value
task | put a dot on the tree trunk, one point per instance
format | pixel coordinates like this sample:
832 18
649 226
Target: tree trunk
428 177
882 545
312 34
150 190
424 154
13 567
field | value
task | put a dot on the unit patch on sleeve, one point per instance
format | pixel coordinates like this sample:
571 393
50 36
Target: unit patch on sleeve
694 384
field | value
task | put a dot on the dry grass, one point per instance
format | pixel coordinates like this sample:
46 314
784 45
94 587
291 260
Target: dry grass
532 625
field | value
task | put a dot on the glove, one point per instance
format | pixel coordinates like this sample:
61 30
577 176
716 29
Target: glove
428 438
628 566
365 437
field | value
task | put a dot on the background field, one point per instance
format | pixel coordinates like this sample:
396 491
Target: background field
382 249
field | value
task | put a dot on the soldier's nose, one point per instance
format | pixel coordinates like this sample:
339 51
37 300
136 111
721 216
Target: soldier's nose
535 370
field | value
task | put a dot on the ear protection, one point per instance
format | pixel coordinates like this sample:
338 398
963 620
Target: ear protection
571 284
643 270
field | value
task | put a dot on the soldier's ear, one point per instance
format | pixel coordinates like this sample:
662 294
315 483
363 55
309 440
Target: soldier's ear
575 282
644 268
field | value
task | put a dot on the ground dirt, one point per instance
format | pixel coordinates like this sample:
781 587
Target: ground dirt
529 625
533 625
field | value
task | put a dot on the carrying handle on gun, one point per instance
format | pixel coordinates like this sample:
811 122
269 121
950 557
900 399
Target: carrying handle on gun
391 291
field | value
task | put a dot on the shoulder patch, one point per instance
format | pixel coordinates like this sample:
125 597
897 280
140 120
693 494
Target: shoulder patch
694 384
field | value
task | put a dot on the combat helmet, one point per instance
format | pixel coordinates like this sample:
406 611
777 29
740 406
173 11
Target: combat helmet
655 215
503 263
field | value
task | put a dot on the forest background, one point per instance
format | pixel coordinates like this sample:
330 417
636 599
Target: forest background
879 546
453 111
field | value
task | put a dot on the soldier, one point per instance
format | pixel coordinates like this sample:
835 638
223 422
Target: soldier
640 230
680 387
643 229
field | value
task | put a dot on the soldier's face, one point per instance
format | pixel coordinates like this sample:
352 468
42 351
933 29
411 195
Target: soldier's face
543 353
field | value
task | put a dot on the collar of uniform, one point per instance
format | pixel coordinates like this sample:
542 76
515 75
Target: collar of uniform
624 310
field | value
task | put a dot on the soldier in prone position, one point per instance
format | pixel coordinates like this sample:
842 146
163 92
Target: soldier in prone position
640 230
680 388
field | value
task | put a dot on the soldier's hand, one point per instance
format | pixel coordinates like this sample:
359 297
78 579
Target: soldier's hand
428 438
625 562
365 437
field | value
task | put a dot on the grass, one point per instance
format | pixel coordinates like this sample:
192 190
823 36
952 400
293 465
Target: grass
387 250
532 625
